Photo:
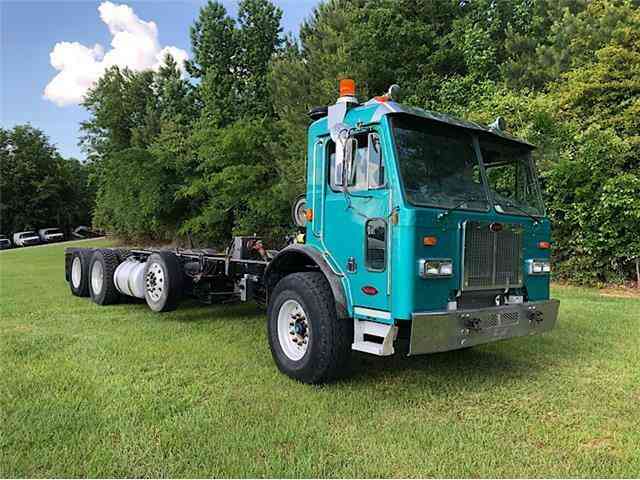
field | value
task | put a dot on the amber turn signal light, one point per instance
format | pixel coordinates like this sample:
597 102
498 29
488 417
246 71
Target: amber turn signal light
430 241
347 87
544 245
309 214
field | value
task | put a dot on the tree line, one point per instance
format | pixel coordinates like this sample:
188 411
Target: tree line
38 187
222 150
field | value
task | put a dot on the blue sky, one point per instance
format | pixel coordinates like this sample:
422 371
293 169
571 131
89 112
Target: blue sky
29 30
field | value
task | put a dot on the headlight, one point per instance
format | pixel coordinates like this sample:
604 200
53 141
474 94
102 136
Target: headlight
436 267
539 267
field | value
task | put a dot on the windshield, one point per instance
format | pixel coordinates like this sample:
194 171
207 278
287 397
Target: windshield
438 165
512 178
50 231
28 234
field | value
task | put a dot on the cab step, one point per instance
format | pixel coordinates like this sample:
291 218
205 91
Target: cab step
373 337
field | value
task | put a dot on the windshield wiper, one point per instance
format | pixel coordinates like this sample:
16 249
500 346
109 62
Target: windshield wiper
448 210
520 209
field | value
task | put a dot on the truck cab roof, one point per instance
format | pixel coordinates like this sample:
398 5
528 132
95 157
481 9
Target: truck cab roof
373 111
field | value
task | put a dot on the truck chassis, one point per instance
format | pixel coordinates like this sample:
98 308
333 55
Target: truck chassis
302 299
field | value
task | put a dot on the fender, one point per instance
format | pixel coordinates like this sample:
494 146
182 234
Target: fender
301 258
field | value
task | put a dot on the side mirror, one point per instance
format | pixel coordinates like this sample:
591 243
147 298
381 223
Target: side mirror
350 152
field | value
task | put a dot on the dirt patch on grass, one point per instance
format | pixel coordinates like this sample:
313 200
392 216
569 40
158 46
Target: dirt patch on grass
603 442
620 292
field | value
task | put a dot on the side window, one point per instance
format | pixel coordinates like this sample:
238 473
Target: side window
376 244
368 171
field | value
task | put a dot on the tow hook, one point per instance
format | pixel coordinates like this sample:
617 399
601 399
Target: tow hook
535 316
473 324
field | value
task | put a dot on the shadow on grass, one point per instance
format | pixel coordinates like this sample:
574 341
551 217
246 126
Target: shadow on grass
193 311
470 366
482 366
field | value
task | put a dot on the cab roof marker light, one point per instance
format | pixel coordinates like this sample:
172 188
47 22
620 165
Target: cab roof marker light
347 90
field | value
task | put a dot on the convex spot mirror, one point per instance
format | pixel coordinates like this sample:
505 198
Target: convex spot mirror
350 152
339 134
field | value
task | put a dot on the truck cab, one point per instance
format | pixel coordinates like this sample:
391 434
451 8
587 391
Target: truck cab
432 228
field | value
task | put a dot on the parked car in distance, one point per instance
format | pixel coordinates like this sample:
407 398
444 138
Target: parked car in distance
23 239
4 242
82 232
49 235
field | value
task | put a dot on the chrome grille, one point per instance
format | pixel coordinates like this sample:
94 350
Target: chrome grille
502 319
492 259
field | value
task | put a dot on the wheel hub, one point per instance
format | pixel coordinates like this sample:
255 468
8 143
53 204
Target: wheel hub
76 272
293 329
97 277
154 281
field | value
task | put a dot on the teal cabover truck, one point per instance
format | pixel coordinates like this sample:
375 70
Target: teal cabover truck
418 232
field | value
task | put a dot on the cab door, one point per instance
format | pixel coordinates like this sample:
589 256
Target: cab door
356 226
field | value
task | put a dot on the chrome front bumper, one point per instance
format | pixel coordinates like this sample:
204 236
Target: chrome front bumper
442 331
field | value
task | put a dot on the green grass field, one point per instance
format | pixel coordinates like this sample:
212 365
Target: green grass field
119 391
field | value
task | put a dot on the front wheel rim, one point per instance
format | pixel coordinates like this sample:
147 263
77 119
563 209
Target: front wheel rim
97 277
294 330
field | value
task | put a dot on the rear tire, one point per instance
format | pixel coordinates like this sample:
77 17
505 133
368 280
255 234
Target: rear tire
163 281
308 341
101 285
79 273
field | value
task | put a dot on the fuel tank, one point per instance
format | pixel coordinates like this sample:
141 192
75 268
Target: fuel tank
129 278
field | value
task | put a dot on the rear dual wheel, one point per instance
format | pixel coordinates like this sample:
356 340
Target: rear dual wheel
92 274
79 276
101 284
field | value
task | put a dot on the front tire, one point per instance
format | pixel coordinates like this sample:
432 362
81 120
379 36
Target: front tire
308 342
101 285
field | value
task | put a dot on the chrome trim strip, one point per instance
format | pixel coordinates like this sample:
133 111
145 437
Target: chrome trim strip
370 312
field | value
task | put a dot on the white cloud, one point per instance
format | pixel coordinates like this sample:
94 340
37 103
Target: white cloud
134 44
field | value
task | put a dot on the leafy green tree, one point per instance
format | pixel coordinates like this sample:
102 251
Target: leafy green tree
212 42
123 109
232 181
38 188
214 46
132 199
258 38
561 35
175 95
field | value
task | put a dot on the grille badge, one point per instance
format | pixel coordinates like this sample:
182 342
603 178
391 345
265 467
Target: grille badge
495 227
